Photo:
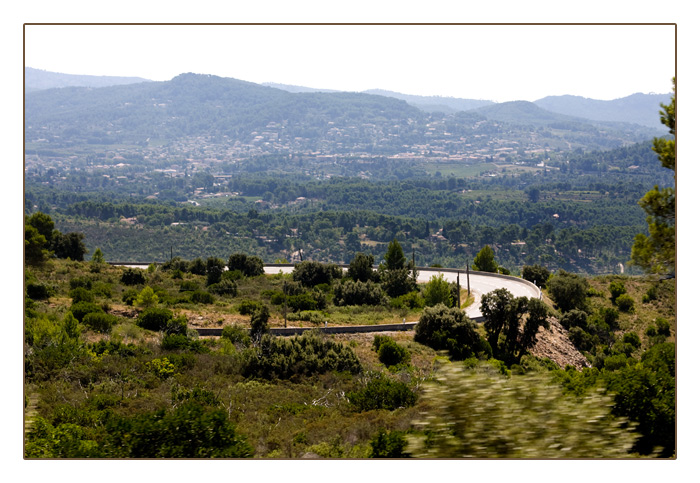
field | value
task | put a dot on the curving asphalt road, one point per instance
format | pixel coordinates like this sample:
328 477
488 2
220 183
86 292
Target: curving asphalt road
480 283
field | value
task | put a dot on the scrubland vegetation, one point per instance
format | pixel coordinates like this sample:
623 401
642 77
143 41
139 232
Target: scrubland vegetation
117 371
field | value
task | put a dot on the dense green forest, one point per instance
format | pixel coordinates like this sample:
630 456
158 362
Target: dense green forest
580 215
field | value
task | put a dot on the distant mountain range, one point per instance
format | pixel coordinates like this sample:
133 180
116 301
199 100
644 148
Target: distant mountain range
641 109
197 109
37 79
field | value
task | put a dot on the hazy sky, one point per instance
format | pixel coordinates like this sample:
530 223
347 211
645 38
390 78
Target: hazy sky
494 62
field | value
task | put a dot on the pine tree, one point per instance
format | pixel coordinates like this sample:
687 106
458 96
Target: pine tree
656 253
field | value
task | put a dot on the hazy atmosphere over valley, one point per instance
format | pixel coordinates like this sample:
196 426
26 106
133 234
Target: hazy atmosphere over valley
345 241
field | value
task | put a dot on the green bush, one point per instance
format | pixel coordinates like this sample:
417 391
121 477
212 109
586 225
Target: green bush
390 444
225 287
188 431
568 291
154 318
437 291
536 274
197 267
38 291
301 302
189 286
449 329
651 294
574 318
392 354
411 300
306 355
180 342
133 276
617 288
84 282
310 273
250 266
201 297
99 321
81 294
236 334
633 339
625 303
81 309
662 326
361 268
247 307
359 293
382 393
129 296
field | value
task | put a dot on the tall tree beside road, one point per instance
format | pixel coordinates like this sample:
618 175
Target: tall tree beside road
656 253
484 261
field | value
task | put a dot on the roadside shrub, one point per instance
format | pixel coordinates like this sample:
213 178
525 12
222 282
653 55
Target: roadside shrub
154 318
536 274
411 300
391 354
258 322
236 334
133 276
568 291
250 266
197 267
99 321
625 303
301 302
180 342
480 414
437 291
312 316
382 393
359 293
247 307
310 273
449 329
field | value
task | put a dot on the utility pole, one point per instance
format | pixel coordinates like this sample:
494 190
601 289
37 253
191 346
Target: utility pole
459 292
285 303
414 266
469 290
